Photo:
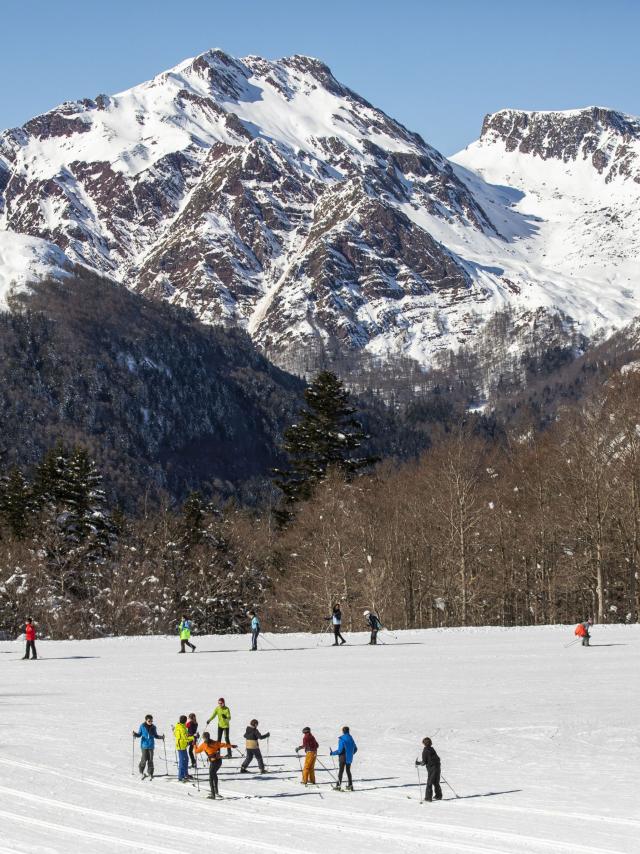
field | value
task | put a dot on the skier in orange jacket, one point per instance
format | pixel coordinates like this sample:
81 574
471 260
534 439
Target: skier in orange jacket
212 749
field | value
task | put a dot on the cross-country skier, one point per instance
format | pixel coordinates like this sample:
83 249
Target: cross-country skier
223 715
345 752
192 729
30 637
251 738
255 630
432 761
336 621
147 733
582 631
374 624
183 739
310 747
185 634
212 749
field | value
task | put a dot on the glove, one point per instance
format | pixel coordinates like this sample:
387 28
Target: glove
134 734
297 749
161 737
267 734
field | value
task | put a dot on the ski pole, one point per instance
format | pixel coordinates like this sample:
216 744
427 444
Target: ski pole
166 761
419 781
268 751
269 642
299 761
133 753
197 778
567 645
333 777
450 786
393 634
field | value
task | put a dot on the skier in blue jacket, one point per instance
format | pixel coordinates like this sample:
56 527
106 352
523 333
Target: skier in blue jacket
147 733
345 752
255 630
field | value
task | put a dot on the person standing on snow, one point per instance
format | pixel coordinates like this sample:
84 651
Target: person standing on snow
212 749
374 624
147 733
223 715
255 630
251 738
432 762
336 621
310 747
185 634
345 752
30 637
582 631
183 739
192 729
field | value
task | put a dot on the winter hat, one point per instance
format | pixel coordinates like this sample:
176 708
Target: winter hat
366 613
306 729
254 722
221 699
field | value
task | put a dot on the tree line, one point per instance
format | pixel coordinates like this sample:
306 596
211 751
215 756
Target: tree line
530 527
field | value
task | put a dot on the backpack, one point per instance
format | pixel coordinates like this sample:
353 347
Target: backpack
580 630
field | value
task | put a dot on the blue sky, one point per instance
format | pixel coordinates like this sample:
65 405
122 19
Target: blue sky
436 66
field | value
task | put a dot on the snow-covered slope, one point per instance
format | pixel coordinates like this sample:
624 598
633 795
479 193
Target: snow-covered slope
267 194
25 260
539 742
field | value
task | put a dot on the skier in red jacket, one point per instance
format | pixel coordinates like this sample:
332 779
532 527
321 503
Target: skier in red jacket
30 635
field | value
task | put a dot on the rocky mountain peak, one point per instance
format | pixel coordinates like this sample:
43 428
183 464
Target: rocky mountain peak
610 140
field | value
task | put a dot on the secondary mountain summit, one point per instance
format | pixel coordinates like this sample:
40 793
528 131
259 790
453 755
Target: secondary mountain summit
268 195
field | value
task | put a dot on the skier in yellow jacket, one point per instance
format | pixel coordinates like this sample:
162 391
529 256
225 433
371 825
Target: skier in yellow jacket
183 740
223 714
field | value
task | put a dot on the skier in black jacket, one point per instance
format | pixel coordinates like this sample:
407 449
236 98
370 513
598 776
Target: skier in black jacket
252 736
374 624
431 759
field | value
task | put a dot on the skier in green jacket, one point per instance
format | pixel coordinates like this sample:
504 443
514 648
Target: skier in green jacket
185 634
223 714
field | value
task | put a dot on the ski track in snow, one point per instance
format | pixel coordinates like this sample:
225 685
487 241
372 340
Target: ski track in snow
513 715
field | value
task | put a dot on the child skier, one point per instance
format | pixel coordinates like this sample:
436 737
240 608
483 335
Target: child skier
374 624
183 739
251 738
255 630
30 637
336 621
310 746
223 714
345 752
432 761
147 733
185 634
212 749
192 729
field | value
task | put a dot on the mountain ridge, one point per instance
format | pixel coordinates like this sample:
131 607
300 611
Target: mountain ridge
267 194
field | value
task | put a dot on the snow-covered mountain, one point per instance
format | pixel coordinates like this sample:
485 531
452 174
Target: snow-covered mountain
267 194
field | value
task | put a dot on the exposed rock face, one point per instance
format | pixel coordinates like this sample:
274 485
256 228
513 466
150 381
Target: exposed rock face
604 137
266 194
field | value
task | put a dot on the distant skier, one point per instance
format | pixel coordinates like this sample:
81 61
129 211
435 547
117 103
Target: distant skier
374 624
432 761
252 736
223 715
30 637
192 729
310 747
345 752
212 749
147 733
185 634
582 631
336 621
255 630
183 739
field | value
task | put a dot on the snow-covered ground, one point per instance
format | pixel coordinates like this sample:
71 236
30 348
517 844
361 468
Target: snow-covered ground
540 742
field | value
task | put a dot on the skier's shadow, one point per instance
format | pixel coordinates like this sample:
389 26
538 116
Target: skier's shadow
67 657
593 645
483 795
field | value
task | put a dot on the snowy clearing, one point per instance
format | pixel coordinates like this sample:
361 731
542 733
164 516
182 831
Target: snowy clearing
539 741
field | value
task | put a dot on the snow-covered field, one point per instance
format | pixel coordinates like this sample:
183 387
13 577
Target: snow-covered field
539 741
